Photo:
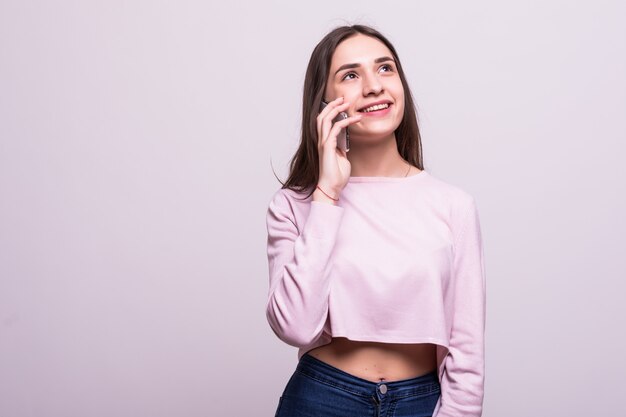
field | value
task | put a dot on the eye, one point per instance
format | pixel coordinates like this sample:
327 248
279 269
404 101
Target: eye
390 69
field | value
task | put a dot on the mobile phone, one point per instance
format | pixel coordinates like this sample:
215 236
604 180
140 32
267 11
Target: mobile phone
343 138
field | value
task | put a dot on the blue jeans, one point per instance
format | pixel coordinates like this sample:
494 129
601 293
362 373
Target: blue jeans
319 389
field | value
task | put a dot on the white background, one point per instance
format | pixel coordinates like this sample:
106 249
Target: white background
135 147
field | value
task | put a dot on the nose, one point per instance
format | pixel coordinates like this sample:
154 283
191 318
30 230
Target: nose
372 85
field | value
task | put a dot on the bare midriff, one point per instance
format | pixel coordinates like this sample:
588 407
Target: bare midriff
376 361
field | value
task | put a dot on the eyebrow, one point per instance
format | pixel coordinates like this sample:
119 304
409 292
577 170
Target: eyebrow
377 60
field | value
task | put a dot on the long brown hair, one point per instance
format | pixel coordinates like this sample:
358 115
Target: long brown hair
304 166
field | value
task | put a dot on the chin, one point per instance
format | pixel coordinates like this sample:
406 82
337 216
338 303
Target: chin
368 135
376 129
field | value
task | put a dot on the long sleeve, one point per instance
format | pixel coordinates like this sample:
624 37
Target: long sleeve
462 382
298 263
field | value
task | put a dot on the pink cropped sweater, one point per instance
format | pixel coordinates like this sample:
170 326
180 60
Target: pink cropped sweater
397 260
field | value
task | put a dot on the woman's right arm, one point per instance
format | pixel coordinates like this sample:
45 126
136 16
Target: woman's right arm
298 257
299 267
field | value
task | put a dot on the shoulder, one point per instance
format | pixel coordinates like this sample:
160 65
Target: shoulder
460 205
288 204
455 195
287 197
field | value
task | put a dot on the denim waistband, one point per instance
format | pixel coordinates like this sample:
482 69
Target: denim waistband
327 373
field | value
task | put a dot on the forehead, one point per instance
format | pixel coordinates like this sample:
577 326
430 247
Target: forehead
358 49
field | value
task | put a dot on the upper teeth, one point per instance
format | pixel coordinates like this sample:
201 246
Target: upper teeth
376 107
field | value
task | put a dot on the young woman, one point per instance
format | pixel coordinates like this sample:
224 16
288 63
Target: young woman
376 266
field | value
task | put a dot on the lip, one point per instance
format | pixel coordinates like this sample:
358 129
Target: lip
374 104
377 113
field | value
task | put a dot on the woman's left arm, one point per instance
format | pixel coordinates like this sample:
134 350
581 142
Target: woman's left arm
462 383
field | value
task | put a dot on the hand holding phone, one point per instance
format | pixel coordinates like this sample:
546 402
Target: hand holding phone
333 145
343 137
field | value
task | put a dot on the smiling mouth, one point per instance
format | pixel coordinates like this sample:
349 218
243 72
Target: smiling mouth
376 112
375 108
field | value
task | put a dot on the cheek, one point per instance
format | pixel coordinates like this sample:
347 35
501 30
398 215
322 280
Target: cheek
351 95
329 93
399 99
400 108
399 114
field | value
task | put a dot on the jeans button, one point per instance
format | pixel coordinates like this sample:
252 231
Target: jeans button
383 389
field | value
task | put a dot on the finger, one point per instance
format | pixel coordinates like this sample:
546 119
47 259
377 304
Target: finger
334 103
337 126
349 120
322 115
329 108
327 122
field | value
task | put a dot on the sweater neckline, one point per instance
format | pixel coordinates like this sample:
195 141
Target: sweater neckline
415 177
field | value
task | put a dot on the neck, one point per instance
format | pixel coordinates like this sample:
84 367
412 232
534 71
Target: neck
377 159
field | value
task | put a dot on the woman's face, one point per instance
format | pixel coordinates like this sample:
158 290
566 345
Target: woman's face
363 71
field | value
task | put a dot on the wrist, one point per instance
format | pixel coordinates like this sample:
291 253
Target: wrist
325 195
